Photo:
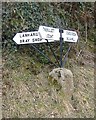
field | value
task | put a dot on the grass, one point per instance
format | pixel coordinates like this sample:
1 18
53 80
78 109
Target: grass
29 92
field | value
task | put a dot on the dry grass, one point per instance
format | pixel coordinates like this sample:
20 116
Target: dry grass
27 93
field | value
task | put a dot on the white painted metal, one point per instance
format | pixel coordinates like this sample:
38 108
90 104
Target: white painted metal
53 33
29 37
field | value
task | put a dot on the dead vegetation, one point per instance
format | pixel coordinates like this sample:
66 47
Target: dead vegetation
27 91
26 94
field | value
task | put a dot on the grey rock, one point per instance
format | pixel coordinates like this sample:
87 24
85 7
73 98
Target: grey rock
64 77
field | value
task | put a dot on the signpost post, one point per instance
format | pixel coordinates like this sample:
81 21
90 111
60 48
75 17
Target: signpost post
61 47
58 35
47 34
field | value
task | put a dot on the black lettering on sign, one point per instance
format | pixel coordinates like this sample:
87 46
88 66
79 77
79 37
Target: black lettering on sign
22 41
24 35
48 29
70 39
34 34
28 34
27 40
49 36
36 39
71 33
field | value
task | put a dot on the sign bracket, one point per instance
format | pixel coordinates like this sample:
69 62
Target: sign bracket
53 52
43 54
66 56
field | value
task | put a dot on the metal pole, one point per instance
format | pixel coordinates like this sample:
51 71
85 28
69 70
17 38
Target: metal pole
43 54
66 56
53 52
61 47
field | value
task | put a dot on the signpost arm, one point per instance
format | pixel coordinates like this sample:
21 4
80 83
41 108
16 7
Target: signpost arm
61 47
43 54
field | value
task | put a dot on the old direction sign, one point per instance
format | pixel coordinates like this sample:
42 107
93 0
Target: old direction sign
49 33
29 37
40 36
53 33
69 36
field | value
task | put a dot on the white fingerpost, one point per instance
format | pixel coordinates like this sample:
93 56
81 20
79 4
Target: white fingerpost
70 36
49 33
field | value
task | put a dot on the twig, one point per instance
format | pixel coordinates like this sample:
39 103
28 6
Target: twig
86 38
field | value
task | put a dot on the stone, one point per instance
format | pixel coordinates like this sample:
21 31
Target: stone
64 77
